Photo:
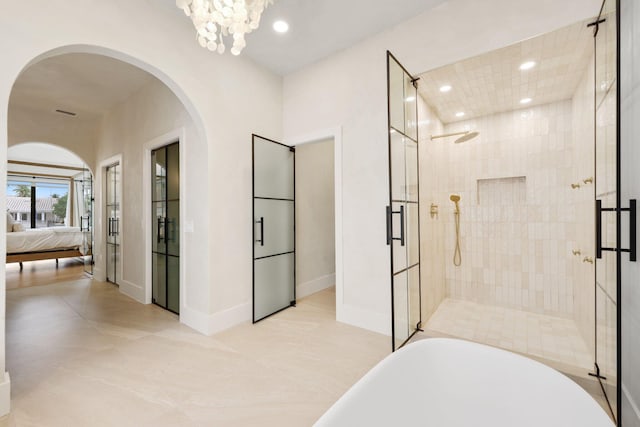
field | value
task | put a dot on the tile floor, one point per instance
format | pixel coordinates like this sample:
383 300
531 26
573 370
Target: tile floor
545 337
82 354
553 341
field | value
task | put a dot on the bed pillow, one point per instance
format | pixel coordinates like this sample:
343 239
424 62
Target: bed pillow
10 222
17 226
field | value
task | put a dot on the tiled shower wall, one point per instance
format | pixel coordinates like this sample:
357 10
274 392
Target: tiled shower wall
432 177
517 234
582 200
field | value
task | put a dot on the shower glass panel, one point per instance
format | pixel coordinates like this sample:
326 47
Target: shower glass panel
607 202
112 194
273 227
403 229
165 223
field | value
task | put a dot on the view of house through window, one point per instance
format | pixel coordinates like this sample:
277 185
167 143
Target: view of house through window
51 202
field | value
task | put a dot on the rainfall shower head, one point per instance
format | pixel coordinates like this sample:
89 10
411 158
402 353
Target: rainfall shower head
455 198
465 136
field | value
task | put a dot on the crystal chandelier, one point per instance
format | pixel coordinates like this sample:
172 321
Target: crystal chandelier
215 19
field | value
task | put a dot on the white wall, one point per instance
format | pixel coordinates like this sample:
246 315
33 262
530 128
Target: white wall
315 217
73 133
151 112
630 175
348 89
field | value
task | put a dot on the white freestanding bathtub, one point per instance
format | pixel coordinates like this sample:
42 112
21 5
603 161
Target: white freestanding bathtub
453 383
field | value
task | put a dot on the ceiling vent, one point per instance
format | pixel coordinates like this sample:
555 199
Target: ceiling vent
68 113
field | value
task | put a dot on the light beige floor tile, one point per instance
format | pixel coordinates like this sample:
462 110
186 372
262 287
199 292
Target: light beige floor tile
82 354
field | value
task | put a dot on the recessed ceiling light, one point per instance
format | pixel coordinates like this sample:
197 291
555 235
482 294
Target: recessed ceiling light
445 88
281 26
527 65
525 100
460 114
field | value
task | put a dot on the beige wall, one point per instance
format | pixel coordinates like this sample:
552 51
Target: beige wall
315 217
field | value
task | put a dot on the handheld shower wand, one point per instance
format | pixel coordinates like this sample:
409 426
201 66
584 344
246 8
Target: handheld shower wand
457 255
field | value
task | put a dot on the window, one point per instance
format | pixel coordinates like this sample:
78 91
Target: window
50 201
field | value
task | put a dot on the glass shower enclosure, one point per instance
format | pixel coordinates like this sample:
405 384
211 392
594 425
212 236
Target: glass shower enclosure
403 213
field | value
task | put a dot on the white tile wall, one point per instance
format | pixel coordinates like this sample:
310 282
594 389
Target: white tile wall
516 244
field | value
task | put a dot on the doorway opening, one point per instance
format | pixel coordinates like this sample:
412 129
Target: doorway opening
49 223
315 222
294 233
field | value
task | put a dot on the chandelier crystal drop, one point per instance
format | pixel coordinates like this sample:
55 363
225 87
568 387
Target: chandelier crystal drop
215 20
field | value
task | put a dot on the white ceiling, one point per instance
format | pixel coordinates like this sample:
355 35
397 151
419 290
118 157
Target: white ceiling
493 83
86 84
318 28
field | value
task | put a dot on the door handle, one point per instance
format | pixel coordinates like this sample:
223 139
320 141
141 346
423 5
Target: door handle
261 239
390 213
117 223
110 227
160 229
632 209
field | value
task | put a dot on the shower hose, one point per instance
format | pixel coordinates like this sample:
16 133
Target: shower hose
457 256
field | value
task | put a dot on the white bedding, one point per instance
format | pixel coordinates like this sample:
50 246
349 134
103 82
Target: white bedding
43 239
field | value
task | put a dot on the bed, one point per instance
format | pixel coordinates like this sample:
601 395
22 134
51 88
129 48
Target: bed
44 243
449 383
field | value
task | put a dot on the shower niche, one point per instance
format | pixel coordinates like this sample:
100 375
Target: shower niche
509 191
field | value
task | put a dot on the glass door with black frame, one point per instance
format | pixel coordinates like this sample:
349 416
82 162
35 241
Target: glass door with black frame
607 203
274 256
86 219
403 230
165 214
112 193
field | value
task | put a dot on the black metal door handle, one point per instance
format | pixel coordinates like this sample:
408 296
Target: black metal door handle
261 239
390 213
598 229
632 230
109 233
158 231
401 225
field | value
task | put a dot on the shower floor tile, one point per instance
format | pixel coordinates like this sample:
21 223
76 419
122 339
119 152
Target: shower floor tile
545 337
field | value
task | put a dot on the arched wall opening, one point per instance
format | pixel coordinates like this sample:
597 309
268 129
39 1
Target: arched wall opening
155 109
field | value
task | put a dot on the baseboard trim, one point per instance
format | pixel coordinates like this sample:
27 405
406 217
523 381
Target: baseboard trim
209 324
364 319
132 290
316 285
5 395
632 404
